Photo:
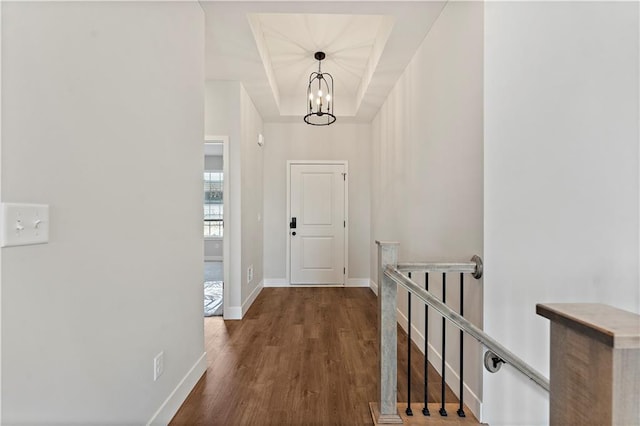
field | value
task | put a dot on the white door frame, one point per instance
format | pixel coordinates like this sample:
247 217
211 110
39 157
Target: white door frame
226 237
345 163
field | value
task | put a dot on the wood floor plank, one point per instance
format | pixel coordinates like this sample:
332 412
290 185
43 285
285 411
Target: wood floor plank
301 356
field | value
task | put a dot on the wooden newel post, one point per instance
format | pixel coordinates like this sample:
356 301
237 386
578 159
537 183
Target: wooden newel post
388 349
595 364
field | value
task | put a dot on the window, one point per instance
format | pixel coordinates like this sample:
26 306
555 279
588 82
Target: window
213 204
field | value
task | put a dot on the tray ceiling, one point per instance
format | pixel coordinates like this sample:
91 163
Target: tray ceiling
269 47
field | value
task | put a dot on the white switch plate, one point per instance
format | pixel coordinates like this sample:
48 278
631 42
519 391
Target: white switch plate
24 224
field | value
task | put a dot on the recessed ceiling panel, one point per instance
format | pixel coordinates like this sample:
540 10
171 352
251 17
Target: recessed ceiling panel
292 39
269 47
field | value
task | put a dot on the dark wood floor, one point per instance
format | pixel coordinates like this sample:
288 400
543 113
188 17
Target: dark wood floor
301 356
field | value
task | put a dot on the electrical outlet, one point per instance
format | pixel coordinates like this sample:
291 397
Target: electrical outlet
158 366
249 274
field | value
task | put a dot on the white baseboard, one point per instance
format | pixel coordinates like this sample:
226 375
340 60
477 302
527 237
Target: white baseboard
252 297
170 406
213 258
282 282
276 282
316 285
374 287
237 312
357 282
471 400
232 313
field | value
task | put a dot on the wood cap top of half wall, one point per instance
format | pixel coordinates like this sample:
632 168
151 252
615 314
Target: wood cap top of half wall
614 327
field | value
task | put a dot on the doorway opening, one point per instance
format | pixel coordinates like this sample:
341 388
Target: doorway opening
215 191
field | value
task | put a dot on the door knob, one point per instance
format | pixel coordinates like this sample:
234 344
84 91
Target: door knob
293 233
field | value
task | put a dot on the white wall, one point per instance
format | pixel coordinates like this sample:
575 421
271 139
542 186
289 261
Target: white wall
213 162
252 163
299 141
427 173
102 120
0 199
213 249
561 177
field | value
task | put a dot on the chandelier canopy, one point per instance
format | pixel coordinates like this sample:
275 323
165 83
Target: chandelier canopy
320 96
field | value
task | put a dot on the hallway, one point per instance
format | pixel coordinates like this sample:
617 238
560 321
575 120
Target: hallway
300 356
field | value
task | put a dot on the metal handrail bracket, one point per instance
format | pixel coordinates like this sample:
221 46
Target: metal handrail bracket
459 321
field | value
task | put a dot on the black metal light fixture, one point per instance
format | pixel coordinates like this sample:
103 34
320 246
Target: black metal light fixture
320 96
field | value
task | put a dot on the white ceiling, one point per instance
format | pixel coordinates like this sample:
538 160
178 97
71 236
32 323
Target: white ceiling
269 47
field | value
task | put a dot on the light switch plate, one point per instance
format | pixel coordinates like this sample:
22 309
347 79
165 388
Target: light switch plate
24 224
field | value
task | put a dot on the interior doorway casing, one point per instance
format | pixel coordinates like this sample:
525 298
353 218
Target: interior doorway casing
227 219
344 163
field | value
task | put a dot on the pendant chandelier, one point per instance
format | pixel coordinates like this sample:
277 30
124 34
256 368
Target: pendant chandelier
320 96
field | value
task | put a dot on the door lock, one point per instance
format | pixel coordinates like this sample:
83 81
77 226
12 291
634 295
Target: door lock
293 233
292 224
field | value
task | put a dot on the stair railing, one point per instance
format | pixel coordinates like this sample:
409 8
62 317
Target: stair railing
390 274
473 267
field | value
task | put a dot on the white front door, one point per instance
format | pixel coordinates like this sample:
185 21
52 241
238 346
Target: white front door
317 223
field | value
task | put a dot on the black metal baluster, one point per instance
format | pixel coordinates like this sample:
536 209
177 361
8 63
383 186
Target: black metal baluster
408 410
425 409
461 395
443 412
